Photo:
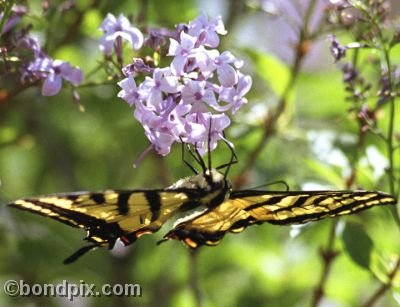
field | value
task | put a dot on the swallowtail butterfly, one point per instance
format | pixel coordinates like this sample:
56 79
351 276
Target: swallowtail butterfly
207 206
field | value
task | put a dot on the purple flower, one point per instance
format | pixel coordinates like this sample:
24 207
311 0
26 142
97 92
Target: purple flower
17 12
157 128
35 70
337 50
10 23
118 28
234 96
178 118
162 82
185 101
162 140
227 75
181 50
202 61
43 67
56 72
157 38
138 66
130 93
32 44
204 128
207 31
53 71
164 128
196 92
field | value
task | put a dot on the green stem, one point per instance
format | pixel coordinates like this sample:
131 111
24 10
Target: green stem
390 134
193 281
328 255
391 125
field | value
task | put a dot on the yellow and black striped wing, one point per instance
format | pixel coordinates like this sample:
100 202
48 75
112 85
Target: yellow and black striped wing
245 208
109 215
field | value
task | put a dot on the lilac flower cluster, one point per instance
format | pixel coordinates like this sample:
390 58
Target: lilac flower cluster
187 100
36 64
43 67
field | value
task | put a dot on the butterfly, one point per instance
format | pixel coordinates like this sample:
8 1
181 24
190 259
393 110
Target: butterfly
204 206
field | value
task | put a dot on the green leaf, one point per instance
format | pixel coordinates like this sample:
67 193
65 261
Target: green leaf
269 68
380 265
327 172
357 244
319 98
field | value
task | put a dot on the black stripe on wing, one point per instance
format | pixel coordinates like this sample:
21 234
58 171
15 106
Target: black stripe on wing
98 229
303 206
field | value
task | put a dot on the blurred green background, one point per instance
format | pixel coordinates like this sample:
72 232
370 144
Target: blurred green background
48 145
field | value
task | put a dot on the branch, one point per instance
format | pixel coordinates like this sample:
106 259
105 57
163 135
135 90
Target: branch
269 124
120 273
162 169
74 27
328 255
193 281
6 96
384 287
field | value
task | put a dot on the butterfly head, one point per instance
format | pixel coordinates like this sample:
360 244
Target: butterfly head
214 180
209 182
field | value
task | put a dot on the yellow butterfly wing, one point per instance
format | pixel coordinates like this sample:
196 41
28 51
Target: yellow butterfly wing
210 227
249 207
109 215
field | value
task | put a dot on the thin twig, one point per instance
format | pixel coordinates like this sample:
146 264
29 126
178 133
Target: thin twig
269 124
384 287
119 274
328 255
162 169
73 28
6 96
385 53
194 283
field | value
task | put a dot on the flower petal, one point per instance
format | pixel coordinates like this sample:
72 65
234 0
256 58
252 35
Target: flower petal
51 85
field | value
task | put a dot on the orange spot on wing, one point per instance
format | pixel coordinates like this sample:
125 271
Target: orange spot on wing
190 243
143 232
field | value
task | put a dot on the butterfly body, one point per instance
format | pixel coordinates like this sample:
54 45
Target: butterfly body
205 205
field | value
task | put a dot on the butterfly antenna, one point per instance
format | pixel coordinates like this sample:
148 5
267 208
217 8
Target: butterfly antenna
284 183
233 159
183 156
193 154
199 159
209 145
